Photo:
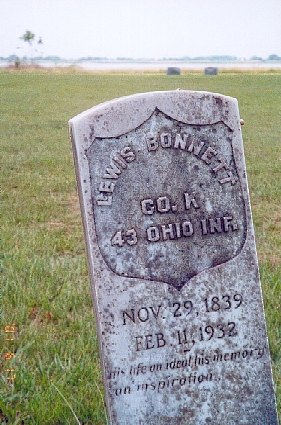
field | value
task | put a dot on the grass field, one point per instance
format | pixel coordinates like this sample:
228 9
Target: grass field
44 284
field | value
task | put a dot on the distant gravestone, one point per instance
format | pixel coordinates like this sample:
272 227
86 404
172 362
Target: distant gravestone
211 70
172 70
171 249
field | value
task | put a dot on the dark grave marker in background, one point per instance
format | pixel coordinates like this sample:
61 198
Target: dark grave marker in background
172 70
211 70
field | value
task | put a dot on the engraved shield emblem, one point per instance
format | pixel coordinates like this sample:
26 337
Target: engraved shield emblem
167 200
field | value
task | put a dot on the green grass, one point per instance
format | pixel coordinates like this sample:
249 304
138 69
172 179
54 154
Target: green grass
45 288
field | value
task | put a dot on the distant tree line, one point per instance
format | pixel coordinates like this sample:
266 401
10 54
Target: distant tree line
34 42
213 58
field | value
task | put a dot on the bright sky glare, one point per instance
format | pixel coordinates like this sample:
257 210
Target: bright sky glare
143 28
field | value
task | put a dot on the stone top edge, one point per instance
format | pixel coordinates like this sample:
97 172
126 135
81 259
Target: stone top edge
161 94
122 115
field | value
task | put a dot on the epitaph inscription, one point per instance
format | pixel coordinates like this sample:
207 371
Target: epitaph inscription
171 249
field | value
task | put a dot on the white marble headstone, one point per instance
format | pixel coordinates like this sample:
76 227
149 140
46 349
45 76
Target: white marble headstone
167 221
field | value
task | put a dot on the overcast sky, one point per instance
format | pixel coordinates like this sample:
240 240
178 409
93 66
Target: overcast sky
143 28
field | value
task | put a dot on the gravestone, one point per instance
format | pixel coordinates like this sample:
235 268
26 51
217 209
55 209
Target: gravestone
211 70
173 266
173 70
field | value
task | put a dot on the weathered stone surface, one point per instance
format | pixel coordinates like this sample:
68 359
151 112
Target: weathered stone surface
167 221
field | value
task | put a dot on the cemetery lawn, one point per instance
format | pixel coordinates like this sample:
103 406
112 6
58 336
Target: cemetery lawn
44 287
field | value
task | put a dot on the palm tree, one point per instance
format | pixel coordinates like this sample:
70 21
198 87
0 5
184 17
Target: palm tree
29 37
